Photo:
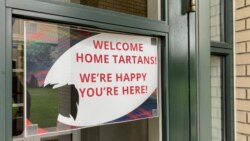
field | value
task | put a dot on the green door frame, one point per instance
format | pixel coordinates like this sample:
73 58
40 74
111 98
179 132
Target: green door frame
185 94
196 124
178 72
204 83
2 71
5 73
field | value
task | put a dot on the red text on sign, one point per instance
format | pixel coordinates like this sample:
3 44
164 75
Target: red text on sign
99 91
126 59
131 90
95 77
127 77
92 58
125 46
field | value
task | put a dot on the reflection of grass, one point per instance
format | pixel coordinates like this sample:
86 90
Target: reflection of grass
44 106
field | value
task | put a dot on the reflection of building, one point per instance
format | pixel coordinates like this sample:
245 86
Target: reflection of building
18 52
35 32
18 80
215 15
138 7
216 96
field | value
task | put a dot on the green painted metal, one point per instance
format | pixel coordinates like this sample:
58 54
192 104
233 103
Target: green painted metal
89 13
229 87
164 10
224 49
90 24
8 75
229 32
164 85
193 78
204 84
2 72
221 51
178 72
220 44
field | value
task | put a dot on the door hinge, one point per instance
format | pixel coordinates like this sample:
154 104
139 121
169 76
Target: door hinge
192 5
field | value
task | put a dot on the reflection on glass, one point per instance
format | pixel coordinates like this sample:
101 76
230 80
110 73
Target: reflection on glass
17 80
142 130
217 99
66 137
143 8
45 43
216 20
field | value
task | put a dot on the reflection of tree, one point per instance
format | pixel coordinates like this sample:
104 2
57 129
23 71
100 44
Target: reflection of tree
33 82
39 56
55 54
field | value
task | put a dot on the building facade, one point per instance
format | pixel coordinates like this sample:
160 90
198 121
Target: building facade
191 56
242 70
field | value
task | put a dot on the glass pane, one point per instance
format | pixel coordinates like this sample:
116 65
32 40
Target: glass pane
142 130
39 103
217 24
66 137
217 99
18 80
143 8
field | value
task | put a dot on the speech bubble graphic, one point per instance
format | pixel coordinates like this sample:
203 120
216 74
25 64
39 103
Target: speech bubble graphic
112 73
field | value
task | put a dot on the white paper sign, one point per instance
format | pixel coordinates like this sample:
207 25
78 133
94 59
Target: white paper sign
113 74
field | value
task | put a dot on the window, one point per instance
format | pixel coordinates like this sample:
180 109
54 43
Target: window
36 48
217 20
217 99
222 105
143 8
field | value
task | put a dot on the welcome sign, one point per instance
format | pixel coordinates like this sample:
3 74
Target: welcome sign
109 77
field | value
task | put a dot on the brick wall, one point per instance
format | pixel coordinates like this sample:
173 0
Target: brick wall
242 62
